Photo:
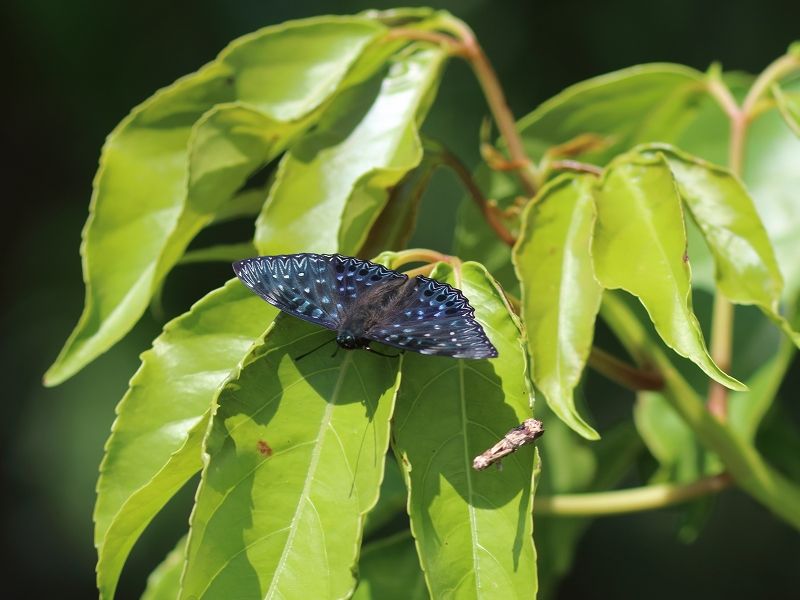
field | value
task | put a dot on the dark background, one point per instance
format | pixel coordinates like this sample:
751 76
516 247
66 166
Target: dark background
74 69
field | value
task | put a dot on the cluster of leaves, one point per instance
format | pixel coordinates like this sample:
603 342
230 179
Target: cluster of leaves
291 455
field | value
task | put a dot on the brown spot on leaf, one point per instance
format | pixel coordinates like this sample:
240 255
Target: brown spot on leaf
263 448
686 257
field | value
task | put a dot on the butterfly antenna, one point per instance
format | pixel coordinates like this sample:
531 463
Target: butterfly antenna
360 448
315 349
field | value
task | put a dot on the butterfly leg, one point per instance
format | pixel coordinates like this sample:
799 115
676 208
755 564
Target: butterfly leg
315 349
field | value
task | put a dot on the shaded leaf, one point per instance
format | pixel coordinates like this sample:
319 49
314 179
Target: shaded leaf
474 239
142 213
246 203
164 582
472 529
389 570
391 501
395 223
669 439
295 460
155 444
560 296
640 245
219 253
747 409
332 186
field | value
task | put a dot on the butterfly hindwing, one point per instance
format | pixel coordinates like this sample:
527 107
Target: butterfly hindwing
319 288
437 319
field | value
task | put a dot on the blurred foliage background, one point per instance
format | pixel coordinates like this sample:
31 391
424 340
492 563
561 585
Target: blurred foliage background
76 68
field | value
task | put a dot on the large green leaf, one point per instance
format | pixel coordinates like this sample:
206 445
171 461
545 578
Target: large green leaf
560 296
746 269
640 246
165 168
295 458
164 582
473 530
332 186
155 444
645 103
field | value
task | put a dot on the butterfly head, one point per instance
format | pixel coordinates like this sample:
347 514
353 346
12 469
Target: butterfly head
348 341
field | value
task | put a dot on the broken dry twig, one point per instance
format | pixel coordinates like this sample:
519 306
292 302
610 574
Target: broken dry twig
525 433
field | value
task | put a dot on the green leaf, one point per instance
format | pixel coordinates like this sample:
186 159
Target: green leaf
746 269
473 530
669 439
164 582
789 106
646 103
560 296
389 570
170 164
640 245
295 458
155 444
332 186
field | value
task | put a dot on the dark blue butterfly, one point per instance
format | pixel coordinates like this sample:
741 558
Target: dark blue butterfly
366 302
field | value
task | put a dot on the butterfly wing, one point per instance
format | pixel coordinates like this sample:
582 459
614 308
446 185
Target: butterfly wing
319 288
434 318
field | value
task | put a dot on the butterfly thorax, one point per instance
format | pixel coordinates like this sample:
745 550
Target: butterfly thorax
369 309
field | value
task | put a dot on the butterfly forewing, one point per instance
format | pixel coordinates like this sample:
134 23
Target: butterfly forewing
434 319
321 288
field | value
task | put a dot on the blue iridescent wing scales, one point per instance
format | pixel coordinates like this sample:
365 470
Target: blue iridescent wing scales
319 288
434 318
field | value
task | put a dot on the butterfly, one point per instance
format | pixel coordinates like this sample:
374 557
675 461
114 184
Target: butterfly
365 302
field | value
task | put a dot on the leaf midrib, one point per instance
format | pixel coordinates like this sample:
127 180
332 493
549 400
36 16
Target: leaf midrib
312 469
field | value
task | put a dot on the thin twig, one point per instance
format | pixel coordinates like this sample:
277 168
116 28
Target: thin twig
574 165
490 212
630 500
621 372
466 46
